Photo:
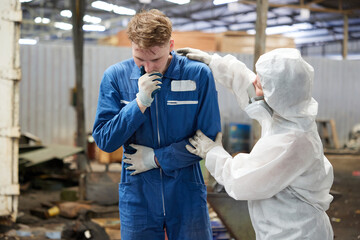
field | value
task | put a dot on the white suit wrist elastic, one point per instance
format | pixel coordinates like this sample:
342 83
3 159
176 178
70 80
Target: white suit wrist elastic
213 61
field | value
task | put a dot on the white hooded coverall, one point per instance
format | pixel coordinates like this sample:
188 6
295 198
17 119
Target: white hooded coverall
286 177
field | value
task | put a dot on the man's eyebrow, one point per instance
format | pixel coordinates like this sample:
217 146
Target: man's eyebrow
155 59
138 58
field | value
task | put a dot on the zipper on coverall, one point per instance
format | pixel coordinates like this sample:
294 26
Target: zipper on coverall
158 135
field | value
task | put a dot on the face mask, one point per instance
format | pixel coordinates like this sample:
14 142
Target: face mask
261 112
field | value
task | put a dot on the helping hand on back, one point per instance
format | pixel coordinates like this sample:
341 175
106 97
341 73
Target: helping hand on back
195 54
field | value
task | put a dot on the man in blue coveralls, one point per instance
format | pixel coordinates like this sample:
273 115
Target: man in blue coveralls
152 104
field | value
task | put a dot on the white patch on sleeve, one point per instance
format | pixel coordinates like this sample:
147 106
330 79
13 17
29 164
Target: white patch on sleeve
124 101
183 85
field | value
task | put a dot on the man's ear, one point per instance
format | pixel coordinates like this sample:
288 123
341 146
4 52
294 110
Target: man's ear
171 45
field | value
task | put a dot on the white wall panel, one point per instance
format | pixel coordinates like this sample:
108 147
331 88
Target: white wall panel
48 76
333 50
337 90
47 80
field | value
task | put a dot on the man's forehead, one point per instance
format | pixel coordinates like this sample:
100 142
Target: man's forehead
149 52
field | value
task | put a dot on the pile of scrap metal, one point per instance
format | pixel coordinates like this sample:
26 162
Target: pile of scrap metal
70 220
81 230
44 166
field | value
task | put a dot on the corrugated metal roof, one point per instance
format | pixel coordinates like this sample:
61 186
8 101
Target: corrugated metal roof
323 24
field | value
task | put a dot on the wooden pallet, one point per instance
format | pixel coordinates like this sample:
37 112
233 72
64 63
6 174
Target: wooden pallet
328 134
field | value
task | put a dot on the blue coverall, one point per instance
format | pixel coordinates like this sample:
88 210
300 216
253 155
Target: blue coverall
173 196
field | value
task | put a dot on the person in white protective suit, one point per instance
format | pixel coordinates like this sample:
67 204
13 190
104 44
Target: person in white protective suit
286 177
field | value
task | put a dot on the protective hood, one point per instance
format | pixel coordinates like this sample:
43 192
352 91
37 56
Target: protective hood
287 82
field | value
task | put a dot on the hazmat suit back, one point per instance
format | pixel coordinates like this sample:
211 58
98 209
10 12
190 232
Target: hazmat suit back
286 177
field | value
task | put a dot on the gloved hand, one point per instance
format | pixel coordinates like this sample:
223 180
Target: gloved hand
195 54
142 160
202 144
149 85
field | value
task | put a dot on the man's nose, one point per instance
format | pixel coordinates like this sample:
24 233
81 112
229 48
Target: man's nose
149 67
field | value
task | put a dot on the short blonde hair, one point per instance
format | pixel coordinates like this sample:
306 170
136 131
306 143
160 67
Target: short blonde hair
149 28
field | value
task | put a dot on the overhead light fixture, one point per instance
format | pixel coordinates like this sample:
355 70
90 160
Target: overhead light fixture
45 20
66 13
86 18
24 1
27 41
63 26
233 7
94 28
300 34
279 29
219 2
42 20
102 5
37 20
305 13
272 30
288 28
180 2
145 1
113 8
123 10
251 31
284 29
91 19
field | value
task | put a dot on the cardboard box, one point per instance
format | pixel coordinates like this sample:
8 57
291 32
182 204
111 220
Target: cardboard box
231 42
195 39
107 158
241 42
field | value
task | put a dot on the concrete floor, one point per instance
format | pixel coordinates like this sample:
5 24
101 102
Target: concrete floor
344 211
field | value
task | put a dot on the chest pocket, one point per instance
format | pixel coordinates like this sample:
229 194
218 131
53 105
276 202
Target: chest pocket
182 105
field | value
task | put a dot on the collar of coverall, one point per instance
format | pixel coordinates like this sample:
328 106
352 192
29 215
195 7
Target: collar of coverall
172 72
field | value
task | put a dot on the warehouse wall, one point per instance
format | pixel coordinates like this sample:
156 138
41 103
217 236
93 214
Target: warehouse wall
333 50
337 90
48 76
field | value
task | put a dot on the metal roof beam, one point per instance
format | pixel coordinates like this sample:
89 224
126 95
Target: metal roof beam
329 10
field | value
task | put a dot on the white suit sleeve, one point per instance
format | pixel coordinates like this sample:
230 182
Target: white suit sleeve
234 75
272 165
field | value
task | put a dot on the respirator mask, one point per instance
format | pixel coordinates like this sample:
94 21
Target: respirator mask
259 110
